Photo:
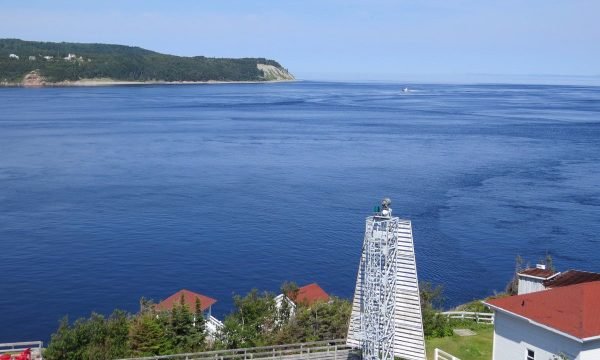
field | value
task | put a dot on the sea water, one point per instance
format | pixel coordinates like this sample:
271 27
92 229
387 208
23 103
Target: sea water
109 194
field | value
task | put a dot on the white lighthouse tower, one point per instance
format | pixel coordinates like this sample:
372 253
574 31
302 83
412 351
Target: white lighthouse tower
386 317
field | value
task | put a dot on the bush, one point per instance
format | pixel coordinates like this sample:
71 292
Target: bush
93 338
434 323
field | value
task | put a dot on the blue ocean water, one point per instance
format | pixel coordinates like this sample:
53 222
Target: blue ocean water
109 194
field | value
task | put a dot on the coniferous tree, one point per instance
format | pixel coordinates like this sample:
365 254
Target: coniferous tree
148 336
182 326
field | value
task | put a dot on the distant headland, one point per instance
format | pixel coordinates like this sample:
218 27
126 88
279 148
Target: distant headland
33 63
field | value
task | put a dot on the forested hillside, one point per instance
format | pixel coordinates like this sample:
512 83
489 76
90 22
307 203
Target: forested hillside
56 62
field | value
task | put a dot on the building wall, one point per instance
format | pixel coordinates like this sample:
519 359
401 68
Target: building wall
591 350
279 299
528 285
513 336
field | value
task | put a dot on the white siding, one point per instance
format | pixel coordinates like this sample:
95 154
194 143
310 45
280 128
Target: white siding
513 336
528 285
279 302
591 350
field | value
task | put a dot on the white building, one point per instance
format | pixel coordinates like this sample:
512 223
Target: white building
532 280
307 295
545 325
540 278
48 57
71 57
13 56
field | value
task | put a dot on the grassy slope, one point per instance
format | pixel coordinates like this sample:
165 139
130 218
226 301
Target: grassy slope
478 347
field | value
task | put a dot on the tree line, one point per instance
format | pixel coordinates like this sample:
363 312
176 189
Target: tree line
118 62
254 321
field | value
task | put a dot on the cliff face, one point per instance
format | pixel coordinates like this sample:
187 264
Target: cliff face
271 73
33 79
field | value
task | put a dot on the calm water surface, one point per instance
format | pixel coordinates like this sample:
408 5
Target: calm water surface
110 194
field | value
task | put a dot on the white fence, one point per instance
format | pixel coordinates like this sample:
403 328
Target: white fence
487 318
320 350
19 347
442 355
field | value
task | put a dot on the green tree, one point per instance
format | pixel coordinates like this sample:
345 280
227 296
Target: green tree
148 335
322 320
63 343
182 326
92 338
198 337
252 321
117 335
434 323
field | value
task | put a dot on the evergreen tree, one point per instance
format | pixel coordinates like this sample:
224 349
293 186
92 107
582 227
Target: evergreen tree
182 326
199 337
148 336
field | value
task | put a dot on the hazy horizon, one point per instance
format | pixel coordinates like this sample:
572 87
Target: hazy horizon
430 41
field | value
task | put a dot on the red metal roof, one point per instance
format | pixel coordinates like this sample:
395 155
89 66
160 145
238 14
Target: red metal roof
541 273
574 309
571 277
189 298
310 294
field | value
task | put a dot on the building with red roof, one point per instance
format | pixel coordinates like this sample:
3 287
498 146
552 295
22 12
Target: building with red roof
540 278
189 299
306 295
539 325
309 294
571 277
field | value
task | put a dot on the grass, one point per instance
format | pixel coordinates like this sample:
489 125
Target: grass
477 347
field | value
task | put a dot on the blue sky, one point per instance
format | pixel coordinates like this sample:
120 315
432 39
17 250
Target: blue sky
339 39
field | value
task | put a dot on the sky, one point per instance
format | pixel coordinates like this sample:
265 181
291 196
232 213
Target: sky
339 39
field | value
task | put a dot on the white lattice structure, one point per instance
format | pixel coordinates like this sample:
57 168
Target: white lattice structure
386 313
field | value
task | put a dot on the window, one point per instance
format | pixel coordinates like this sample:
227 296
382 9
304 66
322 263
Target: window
530 354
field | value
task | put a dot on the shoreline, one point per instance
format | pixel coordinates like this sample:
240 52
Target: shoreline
111 82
